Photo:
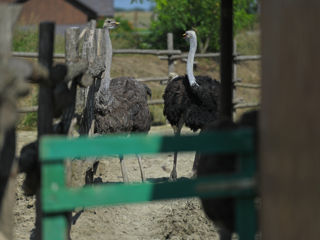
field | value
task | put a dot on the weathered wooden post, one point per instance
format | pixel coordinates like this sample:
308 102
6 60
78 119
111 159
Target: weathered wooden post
85 95
45 101
290 117
170 48
234 77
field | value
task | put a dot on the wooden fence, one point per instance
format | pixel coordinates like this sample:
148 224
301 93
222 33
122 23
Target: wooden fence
67 94
170 55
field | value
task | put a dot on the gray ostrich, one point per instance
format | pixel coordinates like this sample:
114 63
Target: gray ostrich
190 100
121 103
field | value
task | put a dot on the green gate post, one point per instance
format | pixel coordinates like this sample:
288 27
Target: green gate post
246 212
53 180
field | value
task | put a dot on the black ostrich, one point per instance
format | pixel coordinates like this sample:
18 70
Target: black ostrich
222 211
121 103
190 100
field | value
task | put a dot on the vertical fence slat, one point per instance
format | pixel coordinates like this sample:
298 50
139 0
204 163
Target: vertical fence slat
45 99
226 59
170 47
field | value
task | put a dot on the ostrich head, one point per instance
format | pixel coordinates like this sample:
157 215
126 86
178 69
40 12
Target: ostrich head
110 23
188 35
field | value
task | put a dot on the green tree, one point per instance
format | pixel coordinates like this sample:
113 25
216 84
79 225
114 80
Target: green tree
177 16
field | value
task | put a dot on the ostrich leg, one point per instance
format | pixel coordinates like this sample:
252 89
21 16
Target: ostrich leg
224 233
177 131
123 169
140 166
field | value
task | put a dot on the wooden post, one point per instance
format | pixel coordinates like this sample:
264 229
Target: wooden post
85 95
170 47
234 77
289 125
8 117
45 110
226 60
72 46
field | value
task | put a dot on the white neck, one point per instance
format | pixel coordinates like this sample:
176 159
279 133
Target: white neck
105 82
192 51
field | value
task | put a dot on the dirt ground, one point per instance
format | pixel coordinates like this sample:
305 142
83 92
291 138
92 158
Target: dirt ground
175 219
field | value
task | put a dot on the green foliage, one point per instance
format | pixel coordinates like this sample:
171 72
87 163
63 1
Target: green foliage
26 40
29 121
203 16
124 36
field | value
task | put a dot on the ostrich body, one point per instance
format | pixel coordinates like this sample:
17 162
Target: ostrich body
190 100
222 211
121 104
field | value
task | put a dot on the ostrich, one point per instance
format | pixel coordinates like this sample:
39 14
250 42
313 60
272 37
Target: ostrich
121 103
222 211
190 100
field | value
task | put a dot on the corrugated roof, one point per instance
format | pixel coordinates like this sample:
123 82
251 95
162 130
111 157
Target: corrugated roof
103 8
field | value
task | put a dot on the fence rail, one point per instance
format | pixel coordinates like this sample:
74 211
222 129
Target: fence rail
170 55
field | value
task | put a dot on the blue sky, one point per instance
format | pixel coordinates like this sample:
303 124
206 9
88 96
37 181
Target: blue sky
126 4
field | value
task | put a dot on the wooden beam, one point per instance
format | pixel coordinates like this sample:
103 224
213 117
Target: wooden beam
289 126
226 59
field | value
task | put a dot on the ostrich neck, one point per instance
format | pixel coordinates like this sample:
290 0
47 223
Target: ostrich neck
192 51
106 79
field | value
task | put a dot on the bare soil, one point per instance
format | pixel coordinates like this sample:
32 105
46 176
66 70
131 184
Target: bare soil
174 219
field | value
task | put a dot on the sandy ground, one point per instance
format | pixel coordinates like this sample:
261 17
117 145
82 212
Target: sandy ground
176 219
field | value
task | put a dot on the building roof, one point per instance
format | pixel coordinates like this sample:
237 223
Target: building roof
95 8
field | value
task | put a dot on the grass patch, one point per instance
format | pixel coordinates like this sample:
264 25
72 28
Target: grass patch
28 121
27 40
157 110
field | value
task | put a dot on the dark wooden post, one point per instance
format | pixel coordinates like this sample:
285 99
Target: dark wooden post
45 110
226 59
289 125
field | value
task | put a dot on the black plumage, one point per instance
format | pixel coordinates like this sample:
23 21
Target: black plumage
194 106
222 211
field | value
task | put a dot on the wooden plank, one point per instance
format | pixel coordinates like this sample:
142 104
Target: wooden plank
248 85
54 227
170 47
152 79
115 194
35 55
146 51
52 148
289 125
45 99
246 218
247 58
226 59
197 55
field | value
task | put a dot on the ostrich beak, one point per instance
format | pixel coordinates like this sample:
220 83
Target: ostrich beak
184 35
117 23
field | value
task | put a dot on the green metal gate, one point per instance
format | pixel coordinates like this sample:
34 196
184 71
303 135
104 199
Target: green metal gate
57 198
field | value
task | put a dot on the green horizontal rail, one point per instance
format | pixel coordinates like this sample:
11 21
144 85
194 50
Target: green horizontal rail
64 199
55 148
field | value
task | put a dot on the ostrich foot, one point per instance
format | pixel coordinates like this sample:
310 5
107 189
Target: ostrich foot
123 170
173 175
140 166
